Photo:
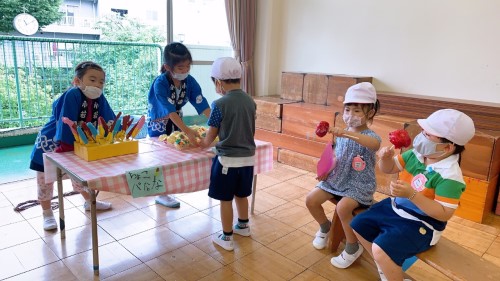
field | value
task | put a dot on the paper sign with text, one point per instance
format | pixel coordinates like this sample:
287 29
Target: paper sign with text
145 182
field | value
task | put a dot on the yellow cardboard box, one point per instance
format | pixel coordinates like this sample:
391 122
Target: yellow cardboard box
91 152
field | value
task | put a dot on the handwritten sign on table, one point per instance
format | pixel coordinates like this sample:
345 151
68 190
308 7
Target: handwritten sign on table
145 182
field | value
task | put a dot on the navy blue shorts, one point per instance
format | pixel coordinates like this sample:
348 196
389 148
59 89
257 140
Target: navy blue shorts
236 182
400 238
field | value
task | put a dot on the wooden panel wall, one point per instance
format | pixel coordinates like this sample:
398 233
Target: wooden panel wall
485 116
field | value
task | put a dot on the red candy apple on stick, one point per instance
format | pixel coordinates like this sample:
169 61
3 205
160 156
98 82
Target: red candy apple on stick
400 138
322 129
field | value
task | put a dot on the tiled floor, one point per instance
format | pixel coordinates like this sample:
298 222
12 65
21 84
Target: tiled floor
139 240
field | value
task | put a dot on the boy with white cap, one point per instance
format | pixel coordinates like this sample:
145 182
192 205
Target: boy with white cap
352 181
425 196
232 119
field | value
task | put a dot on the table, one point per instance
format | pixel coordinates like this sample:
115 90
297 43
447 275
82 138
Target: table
183 172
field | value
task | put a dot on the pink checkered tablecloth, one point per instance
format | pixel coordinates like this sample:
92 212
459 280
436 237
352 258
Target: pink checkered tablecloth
183 171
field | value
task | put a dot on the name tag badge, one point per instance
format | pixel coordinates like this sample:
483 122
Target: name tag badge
358 164
224 170
418 182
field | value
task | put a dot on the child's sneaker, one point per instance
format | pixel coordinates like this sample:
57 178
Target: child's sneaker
224 241
320 240
99 205
49 223
242 231
168 201
344 260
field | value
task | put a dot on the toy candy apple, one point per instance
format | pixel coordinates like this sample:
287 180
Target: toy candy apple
322 129
400 138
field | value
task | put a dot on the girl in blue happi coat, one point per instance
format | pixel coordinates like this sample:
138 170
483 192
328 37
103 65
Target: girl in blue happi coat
170 91
83 102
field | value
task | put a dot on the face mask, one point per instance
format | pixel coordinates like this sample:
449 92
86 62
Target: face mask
352 121
219 90
179 76
92 92
425 146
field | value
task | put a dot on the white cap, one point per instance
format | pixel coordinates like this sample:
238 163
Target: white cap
363 92
226 68
450 124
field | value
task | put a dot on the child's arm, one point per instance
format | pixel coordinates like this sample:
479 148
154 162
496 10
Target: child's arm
387 162
209 138
206 112
432 208
190 133
365 140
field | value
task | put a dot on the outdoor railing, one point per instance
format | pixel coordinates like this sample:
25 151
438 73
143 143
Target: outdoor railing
35 71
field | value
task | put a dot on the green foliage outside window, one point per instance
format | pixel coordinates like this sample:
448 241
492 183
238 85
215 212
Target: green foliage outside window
45 11
130 69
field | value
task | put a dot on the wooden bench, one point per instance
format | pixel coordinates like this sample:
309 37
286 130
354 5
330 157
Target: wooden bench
447 257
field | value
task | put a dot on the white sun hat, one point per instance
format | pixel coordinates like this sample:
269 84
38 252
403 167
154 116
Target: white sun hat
363 92
226 68
450 124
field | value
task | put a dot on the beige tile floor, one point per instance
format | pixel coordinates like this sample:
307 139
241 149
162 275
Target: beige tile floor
139 240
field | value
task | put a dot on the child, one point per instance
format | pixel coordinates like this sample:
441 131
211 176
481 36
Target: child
426 195
233 120
83 102
170 91
352 181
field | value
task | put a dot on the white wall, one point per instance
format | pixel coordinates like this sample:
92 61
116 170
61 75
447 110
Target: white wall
445 48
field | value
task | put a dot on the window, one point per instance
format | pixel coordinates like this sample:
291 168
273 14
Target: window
202 26
69 11
200 22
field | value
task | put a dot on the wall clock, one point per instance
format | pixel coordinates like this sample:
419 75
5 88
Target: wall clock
26 24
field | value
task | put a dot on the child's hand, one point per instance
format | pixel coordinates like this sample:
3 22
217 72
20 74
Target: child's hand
192 136
401 188
386 153
337 131
324 176
201 143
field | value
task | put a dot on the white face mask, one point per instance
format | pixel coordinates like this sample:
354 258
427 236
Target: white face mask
353 121
425 146
219 90
92 92
179 76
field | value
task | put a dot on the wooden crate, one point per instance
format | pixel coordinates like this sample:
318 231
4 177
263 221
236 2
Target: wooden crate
497 210
481 158
301 119
271 105
292 85
338 85
267 122
478 199
315 88
297 160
